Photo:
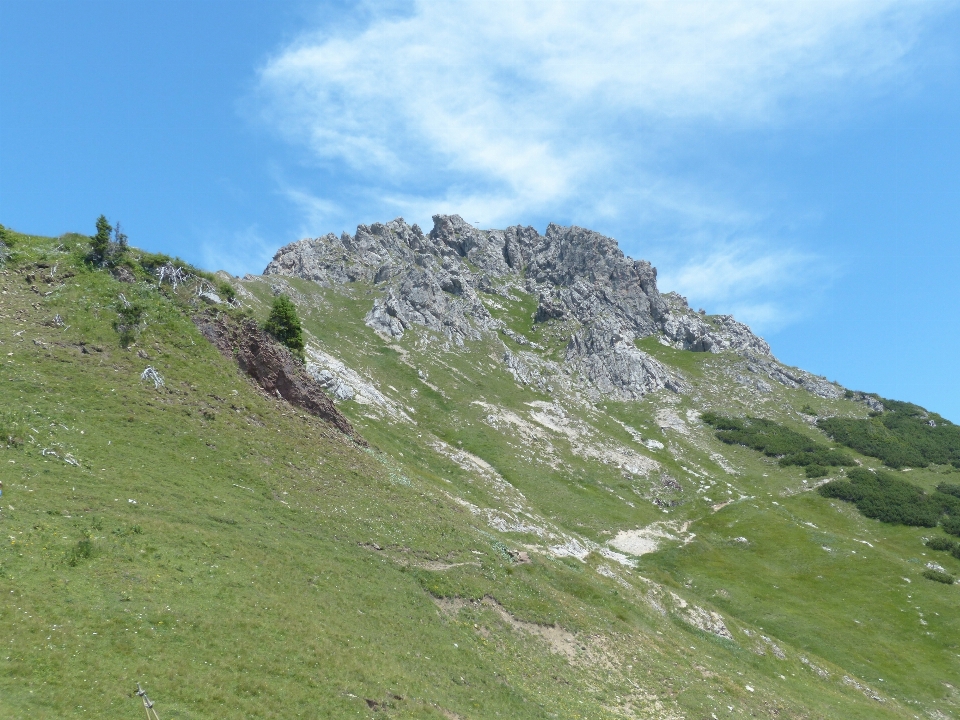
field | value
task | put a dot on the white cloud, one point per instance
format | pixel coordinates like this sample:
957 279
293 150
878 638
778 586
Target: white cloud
725 271
747 279
526 94
505 110
316 212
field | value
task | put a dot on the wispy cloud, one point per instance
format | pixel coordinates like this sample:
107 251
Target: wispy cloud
316 212
749 279
507 111
525 94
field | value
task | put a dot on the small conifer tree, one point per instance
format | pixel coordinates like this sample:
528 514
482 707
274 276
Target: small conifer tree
100 243
120 237
284 325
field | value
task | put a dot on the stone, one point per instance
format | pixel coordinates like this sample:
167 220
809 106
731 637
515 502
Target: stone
123 274
871 401
606 357
581 279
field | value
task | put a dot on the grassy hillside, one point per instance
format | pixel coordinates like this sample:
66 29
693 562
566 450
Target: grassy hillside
238 557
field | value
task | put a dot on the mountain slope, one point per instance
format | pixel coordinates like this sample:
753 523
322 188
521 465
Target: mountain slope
533 531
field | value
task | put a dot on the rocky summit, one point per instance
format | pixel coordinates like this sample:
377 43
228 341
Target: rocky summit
584 286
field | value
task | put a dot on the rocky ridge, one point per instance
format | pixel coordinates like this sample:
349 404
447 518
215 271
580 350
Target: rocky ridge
581 279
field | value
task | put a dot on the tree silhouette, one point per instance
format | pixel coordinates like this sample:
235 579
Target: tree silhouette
284 325
100 243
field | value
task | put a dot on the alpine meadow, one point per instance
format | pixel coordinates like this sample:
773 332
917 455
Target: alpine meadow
449 473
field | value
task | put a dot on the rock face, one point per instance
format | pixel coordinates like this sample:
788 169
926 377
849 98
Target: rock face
272 366
345 383
692 331
580 278
606 358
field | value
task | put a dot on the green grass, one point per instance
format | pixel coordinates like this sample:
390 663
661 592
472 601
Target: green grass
811 586
517 310
270 568
558 494
689 362
237 577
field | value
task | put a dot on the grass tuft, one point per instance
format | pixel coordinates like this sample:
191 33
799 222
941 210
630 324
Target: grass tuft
83 550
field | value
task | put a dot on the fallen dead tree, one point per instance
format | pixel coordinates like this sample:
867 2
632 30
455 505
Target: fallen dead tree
176 277
151 375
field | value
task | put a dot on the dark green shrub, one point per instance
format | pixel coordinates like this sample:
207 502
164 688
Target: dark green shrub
721 422
103 250
872 438
955 550
100 243
120 240
226 291
822 456
941 543
885 497
904 435
890 499
129 317
151 261
83 550
775 440
950 504
951 525
949 489
763 435
938 576
6 242
841 490
816 471
807 409
284 325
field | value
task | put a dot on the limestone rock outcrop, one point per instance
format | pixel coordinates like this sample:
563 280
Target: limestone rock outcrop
579 277
604 356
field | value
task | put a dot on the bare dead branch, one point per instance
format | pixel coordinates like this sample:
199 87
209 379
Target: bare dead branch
174 275
151 374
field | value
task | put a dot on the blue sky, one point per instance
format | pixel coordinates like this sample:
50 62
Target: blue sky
796 164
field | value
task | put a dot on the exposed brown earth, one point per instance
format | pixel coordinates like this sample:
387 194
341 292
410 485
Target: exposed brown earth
272 366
